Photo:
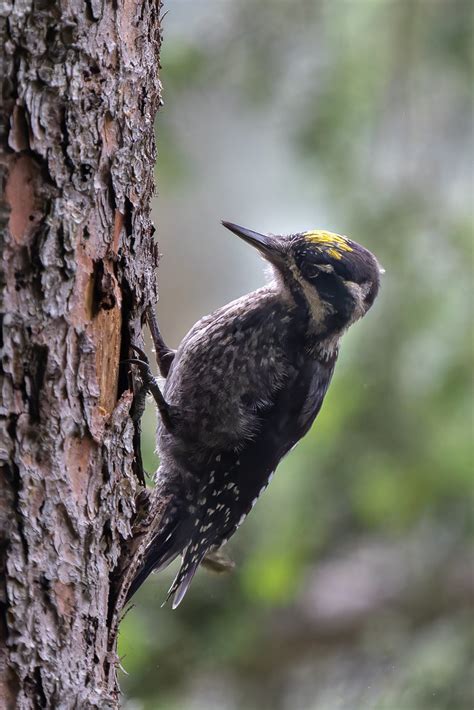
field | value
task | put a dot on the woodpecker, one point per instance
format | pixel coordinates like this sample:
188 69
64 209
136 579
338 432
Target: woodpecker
244 387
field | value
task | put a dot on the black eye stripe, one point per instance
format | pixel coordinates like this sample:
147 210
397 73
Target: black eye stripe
357 265
342 270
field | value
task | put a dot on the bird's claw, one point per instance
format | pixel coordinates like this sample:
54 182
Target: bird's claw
150 385
142 361
143 365
142 353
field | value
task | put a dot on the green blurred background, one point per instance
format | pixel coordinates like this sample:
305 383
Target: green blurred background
354 573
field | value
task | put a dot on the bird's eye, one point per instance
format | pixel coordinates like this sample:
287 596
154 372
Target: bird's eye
312 271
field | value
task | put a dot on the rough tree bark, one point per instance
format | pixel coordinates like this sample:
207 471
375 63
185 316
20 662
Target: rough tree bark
80 92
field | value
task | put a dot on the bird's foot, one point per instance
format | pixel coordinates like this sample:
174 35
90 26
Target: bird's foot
151 385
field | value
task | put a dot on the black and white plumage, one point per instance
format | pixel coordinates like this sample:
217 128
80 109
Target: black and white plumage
244 386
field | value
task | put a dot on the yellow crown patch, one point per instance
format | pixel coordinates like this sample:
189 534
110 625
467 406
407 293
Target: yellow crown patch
333 243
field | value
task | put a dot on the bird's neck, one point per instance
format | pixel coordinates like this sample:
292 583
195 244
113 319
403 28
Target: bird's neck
326 349
310 317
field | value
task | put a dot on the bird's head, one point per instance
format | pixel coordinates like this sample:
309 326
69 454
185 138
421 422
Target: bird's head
337 278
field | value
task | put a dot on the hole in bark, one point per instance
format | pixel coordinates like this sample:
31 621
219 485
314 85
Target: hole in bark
111 192
11 427
50 35
107 534
128 217
104 296
67 34
88 12
36 369
45 584
36 264
127 305
40 695
86 172
105 473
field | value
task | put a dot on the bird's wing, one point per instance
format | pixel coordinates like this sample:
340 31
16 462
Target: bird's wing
229 368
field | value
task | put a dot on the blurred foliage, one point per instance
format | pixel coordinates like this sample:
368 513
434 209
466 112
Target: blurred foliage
373 98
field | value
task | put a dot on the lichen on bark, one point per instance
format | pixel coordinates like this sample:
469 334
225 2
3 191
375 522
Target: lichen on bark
80 91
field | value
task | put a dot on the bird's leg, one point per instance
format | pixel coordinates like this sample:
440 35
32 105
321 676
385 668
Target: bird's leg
164 354
150 384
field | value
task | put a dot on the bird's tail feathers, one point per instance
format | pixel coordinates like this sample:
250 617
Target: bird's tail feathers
167 544
184 577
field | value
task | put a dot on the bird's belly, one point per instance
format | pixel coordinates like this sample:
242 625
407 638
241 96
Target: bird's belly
281 428
296 408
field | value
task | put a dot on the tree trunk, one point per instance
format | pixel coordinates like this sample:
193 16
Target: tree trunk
80 94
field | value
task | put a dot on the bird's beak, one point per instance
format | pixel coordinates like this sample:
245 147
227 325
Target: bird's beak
269 246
